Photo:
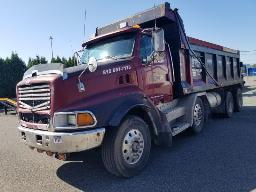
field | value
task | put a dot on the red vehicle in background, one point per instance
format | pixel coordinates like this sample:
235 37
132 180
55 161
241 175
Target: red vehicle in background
140 80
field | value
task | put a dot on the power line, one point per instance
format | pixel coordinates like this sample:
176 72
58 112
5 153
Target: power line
247 51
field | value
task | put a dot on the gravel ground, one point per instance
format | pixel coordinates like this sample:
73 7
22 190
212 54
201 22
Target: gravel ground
221 158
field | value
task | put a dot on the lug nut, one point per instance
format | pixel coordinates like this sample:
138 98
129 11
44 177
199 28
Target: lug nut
61 156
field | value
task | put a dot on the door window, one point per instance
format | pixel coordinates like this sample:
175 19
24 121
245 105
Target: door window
146 48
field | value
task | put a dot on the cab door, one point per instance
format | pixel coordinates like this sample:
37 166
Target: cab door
155 70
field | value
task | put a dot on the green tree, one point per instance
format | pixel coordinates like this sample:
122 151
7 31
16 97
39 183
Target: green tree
2 90
56 60
70 62
36 61
11 73
66 62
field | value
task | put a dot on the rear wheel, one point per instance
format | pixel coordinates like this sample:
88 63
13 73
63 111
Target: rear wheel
198 116
238 100
229 105
126 150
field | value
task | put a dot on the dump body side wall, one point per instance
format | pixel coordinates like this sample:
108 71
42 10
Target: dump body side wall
223 68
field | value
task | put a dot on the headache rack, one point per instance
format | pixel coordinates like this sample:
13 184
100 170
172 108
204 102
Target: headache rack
162 15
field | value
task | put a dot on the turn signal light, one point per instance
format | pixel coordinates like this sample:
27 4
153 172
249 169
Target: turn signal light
136 26
85 119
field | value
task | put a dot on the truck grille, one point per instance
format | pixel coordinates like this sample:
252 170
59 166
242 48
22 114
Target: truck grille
35 97
35 118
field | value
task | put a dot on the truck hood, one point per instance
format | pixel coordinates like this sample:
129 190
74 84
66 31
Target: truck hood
64 81
43 69
103 80
58 68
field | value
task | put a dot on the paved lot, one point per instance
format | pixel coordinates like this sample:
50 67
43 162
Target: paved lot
221 158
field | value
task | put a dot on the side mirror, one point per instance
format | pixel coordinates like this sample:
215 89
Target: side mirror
77 57
158 40
92 64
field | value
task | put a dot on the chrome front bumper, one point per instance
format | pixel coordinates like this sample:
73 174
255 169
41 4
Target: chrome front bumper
61 142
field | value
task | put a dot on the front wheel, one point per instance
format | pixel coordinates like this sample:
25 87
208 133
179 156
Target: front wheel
126 150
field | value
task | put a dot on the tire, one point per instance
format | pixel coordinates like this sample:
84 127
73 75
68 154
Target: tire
126 150
198 116
229 105
238 100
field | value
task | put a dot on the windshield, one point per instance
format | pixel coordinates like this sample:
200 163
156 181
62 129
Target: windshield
114 48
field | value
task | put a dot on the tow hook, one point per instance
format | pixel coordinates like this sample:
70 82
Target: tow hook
61 156
49 153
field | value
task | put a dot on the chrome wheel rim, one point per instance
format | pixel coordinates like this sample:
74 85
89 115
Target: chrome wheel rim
198 114
133 146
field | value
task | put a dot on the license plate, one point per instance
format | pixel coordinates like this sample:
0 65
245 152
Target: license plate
57 139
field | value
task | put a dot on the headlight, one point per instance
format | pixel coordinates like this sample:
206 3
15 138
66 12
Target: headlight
73 120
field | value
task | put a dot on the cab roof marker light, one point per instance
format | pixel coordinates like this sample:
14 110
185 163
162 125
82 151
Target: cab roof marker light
136 26
123 25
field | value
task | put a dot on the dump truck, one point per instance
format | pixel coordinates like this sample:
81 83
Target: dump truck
139 81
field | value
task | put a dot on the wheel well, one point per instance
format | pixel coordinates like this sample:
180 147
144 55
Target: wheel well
142 113
232 89
206 106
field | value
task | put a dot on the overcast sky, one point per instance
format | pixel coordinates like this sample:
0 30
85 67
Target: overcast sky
25 26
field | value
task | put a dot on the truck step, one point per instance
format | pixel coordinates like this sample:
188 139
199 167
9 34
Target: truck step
179 127
175 113
167 107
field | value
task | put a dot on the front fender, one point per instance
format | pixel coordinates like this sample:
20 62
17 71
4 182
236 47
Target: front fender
154 118
124 108
110 108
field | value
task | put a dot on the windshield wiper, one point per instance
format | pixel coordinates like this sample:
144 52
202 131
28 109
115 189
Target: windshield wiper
108 57
124 57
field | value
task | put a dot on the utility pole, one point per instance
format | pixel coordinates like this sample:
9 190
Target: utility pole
84 24
51 38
